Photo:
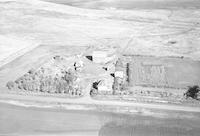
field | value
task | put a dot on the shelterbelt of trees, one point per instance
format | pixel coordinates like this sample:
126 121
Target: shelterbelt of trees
41 81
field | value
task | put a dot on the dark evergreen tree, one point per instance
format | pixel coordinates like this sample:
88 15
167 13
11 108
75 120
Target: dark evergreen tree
192 92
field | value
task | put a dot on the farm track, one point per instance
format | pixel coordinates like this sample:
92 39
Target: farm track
89 101
16 55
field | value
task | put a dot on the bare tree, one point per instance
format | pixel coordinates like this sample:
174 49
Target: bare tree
10 85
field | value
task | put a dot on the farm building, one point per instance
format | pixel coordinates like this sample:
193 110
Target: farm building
103 56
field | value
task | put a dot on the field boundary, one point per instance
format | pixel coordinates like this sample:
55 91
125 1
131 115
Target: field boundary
17 54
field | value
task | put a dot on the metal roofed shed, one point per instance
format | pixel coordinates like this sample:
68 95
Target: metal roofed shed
103 56
99 56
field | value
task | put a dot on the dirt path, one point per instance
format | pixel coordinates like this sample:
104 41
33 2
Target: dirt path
87 100
17 54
